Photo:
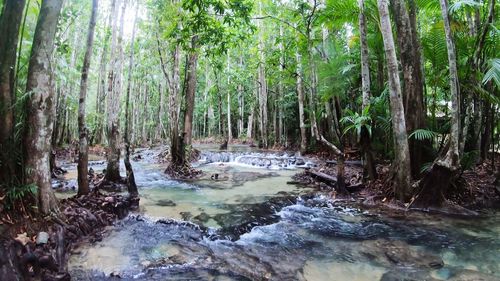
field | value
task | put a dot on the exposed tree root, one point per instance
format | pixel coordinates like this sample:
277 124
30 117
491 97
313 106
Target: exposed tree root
82 217
433 186
182 172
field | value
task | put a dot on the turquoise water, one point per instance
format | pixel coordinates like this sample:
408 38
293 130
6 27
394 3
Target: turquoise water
252 225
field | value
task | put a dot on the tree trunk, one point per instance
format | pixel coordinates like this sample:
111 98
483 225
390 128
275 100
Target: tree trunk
263 112
300 93
279 99
250 124
114 88
131 185
101 91
161 113
229 129
401 163
10 21
190 91
413 84
442 172
40 106
368 165
83 152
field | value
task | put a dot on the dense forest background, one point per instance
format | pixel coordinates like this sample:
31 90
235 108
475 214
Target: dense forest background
404 81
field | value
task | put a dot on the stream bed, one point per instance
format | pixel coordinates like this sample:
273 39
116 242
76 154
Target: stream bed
249 224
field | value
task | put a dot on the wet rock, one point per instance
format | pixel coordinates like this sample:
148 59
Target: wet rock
407 275
166 203
186 215
203 217
471 275
243 218
109 199
300 162
389 253
42 238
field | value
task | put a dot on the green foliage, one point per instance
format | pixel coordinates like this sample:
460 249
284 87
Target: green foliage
464 4
355 121
493 73
17 193
426 167
423 134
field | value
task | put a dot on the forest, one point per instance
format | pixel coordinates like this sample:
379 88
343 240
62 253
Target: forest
249 140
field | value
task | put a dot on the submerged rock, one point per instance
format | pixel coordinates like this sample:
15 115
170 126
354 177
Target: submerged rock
389 253
471 275
166 203
407 275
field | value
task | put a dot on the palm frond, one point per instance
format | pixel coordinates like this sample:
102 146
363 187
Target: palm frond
423 134
463 4
493 73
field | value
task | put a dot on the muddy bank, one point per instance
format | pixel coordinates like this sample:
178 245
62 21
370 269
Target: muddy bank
42 253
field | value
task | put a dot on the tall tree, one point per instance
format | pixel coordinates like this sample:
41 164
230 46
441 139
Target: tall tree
131 185
192 64
301 98
101 91
368 162
40 106
262 86
83 150
401 164
10 21
413 83
229 125
443 171
113 99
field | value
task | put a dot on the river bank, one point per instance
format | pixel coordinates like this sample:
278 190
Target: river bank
253 223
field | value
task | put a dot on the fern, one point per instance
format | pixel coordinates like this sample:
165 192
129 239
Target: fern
423 134
466 4
426 167
493 74
18 192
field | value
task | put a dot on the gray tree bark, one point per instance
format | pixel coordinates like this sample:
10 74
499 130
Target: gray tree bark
131 185
300 93
83 150
368 162
40 106
10 21
401 163
113 99
191 90
413 84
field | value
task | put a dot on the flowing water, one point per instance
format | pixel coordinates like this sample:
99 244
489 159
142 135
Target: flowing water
249 224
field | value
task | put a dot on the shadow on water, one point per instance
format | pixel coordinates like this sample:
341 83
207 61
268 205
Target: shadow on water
251 225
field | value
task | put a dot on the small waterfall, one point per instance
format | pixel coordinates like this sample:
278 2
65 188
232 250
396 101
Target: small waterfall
269 160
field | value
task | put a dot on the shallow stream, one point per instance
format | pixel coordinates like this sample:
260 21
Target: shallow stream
249 224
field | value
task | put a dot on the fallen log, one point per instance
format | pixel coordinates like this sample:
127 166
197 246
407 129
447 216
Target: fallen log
332 181
322 177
